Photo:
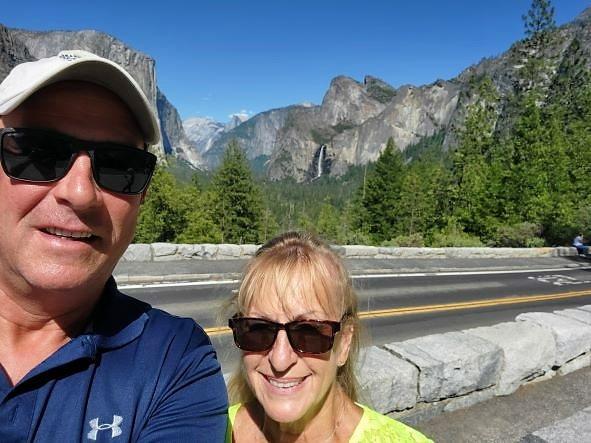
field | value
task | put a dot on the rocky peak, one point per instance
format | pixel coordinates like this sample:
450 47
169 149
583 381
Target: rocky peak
349 102
378 89
350 127
17 46
174 140
237 119
583 17
46 44
203 132
12 52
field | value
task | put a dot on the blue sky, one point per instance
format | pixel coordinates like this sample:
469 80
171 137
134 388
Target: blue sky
217 58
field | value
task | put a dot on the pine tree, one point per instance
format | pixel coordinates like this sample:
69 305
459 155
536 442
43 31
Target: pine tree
578 151
422 197
163 213
269 226
328 225
535 161
568 114
377 198
200 225
237 199
539 20
472 192
535 70
568 92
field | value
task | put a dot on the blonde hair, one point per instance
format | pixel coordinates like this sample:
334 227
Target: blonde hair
296 259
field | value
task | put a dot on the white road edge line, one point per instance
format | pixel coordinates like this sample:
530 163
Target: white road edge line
431 274
354 277
178 284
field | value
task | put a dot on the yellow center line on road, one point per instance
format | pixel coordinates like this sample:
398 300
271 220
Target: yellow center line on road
445 307
217 330
471 304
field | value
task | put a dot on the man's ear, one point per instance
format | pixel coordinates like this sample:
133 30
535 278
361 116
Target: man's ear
144 195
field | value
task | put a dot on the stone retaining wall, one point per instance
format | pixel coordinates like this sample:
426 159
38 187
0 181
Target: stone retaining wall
171 252
422 377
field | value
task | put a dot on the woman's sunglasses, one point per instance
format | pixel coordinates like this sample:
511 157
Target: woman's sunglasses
306 336
42 156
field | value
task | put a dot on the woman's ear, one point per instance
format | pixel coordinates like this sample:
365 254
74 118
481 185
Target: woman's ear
344 343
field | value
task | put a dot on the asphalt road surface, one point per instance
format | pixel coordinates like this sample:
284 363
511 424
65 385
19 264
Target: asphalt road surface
396 307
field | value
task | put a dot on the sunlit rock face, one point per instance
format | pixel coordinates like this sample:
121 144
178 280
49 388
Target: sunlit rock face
18 45
351 126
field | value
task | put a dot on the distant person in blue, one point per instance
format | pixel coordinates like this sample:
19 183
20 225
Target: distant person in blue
82 362
578 243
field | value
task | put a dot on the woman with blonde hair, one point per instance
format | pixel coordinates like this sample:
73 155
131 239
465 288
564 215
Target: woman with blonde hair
297 325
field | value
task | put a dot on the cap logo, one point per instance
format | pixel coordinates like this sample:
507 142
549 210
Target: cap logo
69 56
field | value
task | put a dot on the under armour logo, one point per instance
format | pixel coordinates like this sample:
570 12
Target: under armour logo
96 427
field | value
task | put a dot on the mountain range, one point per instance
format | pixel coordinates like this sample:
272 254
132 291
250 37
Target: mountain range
350 127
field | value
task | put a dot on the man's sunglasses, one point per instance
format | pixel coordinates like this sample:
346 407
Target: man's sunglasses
306 336
43 156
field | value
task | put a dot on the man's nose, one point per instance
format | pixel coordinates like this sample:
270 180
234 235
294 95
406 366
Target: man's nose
78 186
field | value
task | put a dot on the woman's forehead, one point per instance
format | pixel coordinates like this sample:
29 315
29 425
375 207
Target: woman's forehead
294 286
295 301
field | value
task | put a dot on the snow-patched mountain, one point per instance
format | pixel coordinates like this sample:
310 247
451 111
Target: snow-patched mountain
204 131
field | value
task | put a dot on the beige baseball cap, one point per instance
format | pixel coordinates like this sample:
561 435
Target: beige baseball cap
27 78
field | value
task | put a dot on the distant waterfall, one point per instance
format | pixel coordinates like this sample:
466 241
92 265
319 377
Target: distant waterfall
320 160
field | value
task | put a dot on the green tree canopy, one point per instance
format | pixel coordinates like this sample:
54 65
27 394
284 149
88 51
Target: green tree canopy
237 199
539 20
162 214
378 197
472 188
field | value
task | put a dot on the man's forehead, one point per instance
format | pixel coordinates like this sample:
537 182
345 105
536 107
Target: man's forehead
80 109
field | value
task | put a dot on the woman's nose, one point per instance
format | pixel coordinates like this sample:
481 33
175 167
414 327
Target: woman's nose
281 355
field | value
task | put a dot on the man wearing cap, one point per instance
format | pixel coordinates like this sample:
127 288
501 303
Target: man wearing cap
82 361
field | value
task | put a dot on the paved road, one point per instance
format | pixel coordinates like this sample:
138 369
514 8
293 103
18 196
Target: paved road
130 272
395 308
553 411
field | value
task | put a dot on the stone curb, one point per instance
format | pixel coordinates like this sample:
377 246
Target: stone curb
154 252
422 377
135 279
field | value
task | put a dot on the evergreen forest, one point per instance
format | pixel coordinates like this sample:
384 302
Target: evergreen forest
518 174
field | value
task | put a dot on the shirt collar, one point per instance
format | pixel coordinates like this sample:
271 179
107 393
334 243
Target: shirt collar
118 319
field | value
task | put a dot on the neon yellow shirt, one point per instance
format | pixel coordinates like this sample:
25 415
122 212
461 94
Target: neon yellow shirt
372 428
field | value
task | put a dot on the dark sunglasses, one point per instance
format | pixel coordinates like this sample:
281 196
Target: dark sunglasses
43 156
306 336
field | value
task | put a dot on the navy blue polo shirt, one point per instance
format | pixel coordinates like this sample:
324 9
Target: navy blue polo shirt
141 375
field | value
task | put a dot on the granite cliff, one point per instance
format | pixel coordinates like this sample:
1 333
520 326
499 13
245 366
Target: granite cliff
350 127
355 119
17 45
